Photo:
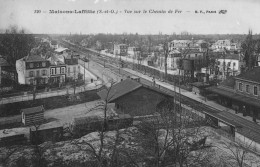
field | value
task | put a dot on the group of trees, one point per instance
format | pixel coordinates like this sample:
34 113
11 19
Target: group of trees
250 49
15 44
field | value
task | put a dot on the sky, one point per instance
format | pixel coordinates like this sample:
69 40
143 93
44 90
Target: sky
35 16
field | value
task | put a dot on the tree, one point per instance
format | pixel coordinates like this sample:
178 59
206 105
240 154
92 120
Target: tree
248 48
238 153
172 137
166 53
14 45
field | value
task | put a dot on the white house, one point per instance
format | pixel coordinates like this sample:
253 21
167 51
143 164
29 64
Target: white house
32 69
230 65
173 58
134 52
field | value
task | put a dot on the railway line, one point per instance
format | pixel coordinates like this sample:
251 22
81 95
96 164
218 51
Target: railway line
240 125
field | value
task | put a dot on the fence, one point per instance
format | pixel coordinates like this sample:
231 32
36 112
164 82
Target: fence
27 97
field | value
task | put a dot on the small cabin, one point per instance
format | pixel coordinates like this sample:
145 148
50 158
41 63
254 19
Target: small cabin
32 116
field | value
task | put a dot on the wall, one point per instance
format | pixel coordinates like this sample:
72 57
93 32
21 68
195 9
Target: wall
247 142
20 69
27 74
139 102
251 88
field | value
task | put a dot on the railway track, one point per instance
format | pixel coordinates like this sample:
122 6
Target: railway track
226 117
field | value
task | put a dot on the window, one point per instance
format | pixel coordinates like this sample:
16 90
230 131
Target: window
240 86
74 69
31 65
53 71
44 64
31 73
234 64
255 90
44 72
229 63
62 70
247 88
38 73
37 64
31 81
68 69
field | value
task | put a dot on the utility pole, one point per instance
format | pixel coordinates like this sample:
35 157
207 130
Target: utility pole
84 72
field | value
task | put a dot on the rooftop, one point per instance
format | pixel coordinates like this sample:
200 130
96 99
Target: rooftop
251 75
32 110
119 89
126 86
33 58
230 56
61 49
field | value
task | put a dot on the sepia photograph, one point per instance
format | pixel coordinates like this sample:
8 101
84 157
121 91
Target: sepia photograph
129 83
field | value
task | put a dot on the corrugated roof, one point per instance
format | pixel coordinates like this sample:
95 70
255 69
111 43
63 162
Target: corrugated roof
251 75
119 89
32 110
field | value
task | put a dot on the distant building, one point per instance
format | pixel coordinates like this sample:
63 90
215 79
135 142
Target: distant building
54 44
173 58
226 44
198 58
32 116
120 49
133 98
179 44
201 45
229 65
134 52
32 69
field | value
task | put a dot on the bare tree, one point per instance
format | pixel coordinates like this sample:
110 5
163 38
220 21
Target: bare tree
238 153
172 137
166 54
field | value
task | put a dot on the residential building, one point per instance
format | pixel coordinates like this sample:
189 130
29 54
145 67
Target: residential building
199 58
33 69
57 69
201 45
241 93
133 98
72 66
54 44
179 44
120 49
134 52
229 65
221 44
172 59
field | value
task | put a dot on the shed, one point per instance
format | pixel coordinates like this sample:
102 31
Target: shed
31 116
199 87
52 131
